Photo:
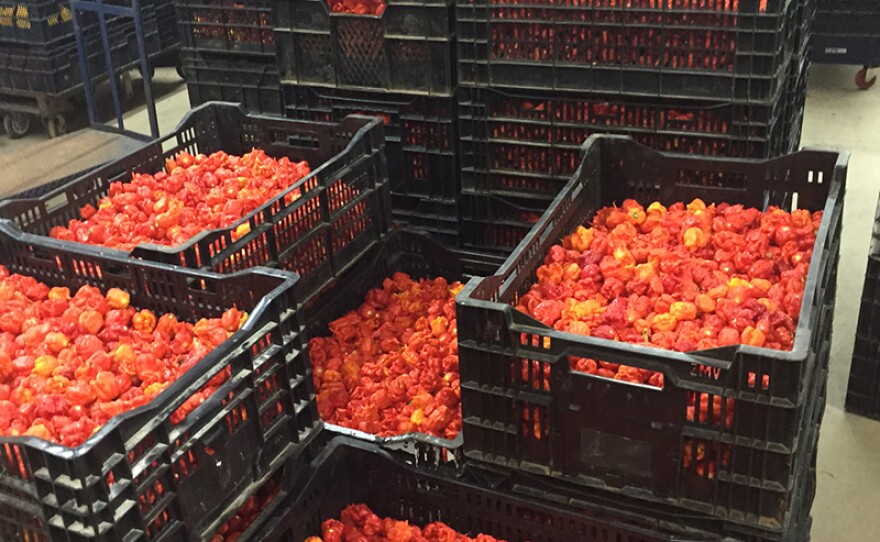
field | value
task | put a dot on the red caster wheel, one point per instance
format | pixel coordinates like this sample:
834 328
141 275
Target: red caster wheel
862 80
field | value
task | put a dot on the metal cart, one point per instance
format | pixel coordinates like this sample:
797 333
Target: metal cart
148 45
17 106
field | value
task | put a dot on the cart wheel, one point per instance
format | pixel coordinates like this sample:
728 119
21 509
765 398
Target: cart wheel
127 86
152 71
179 67
862 80
56 126
16 124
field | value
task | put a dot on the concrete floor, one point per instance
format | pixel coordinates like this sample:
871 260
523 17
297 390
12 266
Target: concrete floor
847 506
171 104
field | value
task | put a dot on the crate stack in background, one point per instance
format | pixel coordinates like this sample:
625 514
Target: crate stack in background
863 389
38 54
486 103
709 78
228 53
396 61
848 32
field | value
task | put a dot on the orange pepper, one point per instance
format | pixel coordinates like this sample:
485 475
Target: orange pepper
663 322
623 255
44 365
753 336
59 293
656 208
705 303
144 321
580 310
635 213
694 238
550 273
580 240
117 298
683 310
696 205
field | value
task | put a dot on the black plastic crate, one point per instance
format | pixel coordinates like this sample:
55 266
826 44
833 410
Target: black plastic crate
863 391
439 219
251 80
343 208
166 20
34 21
847 32
419 256
688 523
227 25
847 17
528 144
715 49
350 472
39 22
641 447
409 48
142 476
806 14
23 69
269 493
420 134
53 68
802 490
496 224
795 103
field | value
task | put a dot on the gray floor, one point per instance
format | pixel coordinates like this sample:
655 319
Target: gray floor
847 506
848 500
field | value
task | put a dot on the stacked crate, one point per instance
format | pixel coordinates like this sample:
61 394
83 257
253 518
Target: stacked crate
149 475
166 20
396 61
863 389
748 469
848 32
693 77
228 53
38 53
544 450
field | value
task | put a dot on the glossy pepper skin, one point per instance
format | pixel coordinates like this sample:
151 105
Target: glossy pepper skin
357 523
391 366
690 277
687 277
71 361
192 194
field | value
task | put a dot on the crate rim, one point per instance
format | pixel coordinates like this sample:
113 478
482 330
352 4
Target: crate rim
158 403
397 441
287 82
717 357
368 124
396 98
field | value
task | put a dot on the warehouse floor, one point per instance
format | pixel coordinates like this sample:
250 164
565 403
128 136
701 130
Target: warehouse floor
847 506
848 497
